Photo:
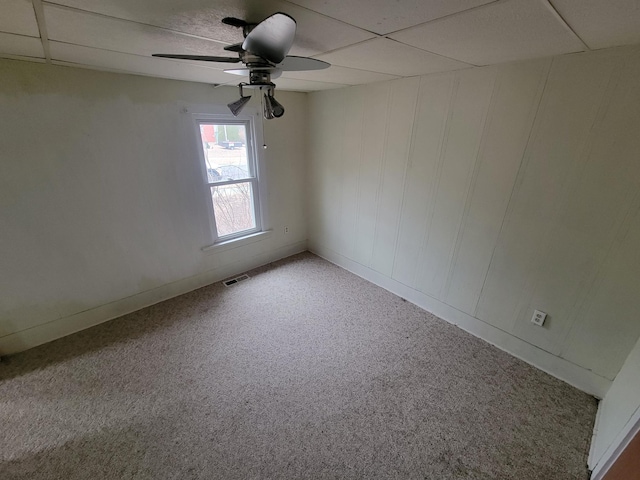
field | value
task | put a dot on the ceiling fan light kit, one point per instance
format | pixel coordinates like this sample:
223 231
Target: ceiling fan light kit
239 104
264 54
272 108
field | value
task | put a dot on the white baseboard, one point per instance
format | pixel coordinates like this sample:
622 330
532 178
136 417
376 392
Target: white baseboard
591 460
32 337
571 373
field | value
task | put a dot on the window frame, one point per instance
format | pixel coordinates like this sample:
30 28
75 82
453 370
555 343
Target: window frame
255 179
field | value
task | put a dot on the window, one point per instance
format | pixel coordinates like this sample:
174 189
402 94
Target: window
230 169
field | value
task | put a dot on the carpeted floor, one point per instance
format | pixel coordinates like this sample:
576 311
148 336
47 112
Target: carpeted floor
302 371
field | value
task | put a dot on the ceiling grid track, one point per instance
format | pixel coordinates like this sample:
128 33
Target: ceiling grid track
561 19
365 41
128 21
42 27
329 17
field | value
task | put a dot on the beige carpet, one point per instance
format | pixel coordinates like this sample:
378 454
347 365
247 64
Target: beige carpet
302 371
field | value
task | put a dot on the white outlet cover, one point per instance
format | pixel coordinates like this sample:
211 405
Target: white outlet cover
538 318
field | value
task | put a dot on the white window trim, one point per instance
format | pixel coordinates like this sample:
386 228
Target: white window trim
237 242
253 179
251 118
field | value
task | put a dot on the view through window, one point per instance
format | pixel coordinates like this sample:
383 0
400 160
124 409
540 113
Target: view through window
231 177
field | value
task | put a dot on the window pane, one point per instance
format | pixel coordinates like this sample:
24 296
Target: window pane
225 151
233 208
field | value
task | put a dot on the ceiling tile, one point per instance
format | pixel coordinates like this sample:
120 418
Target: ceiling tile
18 16
295 85
196 17
72 26
383 16
498 32
387 56
123 62
602 24
342 75
20 45
316 33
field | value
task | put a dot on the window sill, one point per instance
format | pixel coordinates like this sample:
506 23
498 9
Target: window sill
237 242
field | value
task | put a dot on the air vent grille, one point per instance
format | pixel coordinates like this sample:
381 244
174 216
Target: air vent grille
233 281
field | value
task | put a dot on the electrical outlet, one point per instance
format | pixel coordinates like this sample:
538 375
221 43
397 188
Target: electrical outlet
286 230
538 317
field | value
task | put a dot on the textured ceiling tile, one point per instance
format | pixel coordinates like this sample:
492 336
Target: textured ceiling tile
387 56
196 17
383 16
341 75
18 16
499 32
601 23
72 26
20 45
123 62
316 33
295 85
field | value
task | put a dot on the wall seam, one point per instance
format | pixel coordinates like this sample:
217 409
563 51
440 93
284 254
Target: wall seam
442 148
477 164
410 153
358 182
575 172
383 164
524 161
625 219
343 118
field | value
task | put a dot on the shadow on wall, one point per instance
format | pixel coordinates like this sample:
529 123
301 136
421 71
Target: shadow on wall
159 319
131 327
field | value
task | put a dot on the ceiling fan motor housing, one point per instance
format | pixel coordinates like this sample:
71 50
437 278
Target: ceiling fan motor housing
260 77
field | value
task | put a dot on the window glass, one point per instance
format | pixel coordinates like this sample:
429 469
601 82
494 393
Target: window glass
233 208
225 152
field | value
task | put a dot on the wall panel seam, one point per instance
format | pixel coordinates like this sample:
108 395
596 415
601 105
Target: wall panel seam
436 183
383 164
526 153
575 171
477 163
581 304
338 220
410 153
358 181
596 282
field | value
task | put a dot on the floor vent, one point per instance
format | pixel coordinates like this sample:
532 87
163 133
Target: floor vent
233 281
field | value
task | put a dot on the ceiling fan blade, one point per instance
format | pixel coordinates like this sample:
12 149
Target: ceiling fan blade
234 22
296 64
275 72
272 38
236 47
201 58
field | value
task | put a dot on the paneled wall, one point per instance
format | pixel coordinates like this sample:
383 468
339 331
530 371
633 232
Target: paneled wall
494 191
102 207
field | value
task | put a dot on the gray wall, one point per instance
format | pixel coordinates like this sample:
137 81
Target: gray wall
490 192
101 209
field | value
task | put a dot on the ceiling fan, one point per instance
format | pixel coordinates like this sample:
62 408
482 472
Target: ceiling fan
264 54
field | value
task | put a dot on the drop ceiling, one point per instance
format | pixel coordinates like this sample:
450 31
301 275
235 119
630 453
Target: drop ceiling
364 40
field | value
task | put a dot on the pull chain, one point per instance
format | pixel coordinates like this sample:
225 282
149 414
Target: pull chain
264 144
